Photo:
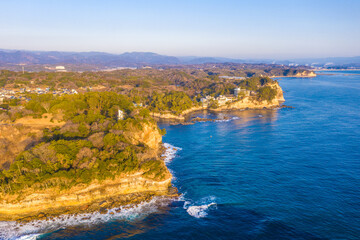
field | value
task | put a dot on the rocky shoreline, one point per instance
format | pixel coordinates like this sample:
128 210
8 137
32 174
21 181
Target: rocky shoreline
242 104
98 196
102 206
44 205
303 74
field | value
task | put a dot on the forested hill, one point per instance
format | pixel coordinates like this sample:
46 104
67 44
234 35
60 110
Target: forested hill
91 144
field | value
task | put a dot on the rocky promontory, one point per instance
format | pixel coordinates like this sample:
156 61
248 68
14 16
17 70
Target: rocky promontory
299 74
92 159
123 189
141 184
244 102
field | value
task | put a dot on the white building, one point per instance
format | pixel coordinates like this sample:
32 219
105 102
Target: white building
121 115
222 100
60 69
207 99
238 90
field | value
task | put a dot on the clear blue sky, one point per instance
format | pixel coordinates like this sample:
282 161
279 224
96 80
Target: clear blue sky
224 28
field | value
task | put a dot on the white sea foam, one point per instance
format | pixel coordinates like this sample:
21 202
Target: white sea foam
170 152
13 230
200 209
29 237
169 155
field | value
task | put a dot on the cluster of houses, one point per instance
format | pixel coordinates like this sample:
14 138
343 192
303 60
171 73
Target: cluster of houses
222 100
238 92
20 93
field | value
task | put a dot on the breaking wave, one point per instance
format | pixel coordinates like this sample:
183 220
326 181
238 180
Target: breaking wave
169 155
170 152
200 209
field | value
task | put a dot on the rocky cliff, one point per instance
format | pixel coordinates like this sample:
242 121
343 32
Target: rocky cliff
248 102
98 196
34 202
148 135
253 103
300 74
306 74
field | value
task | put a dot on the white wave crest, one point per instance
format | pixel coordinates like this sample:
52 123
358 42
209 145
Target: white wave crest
170 152
29 237
200 211
12 230
169 155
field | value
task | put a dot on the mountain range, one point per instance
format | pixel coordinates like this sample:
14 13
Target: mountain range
140 59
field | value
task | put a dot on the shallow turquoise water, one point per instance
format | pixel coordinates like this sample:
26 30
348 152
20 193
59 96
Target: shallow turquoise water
266 174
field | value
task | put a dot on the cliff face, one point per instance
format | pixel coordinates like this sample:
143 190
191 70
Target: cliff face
124 189
253 103
94 197
306 74
250 103
303 74
280 95
149 135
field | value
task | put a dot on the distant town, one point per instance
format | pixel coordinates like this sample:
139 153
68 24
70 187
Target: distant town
21 94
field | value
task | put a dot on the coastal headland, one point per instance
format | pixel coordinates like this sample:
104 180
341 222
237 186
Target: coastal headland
246 102
70 151
46 198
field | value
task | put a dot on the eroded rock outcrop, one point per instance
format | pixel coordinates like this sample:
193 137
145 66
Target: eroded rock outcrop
124 190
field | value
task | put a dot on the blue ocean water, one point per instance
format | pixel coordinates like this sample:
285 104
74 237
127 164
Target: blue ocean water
265 174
